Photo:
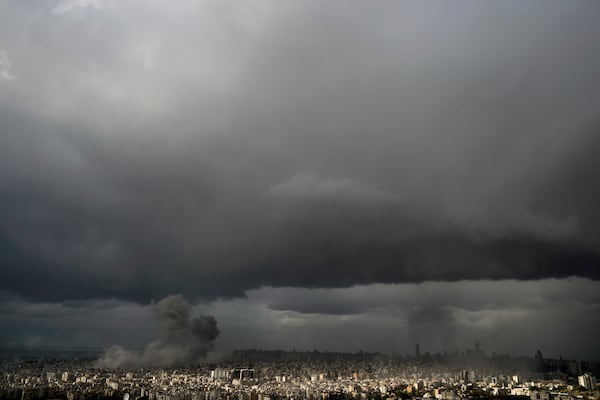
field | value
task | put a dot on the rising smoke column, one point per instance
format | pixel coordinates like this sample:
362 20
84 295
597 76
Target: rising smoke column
182 338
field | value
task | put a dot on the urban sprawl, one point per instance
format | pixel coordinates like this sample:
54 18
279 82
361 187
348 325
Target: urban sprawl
275 375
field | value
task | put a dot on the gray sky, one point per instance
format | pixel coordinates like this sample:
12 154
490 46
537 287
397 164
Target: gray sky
278 163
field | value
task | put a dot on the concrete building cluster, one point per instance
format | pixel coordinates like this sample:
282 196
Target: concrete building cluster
293 380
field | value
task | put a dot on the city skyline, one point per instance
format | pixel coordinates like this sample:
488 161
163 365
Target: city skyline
202 176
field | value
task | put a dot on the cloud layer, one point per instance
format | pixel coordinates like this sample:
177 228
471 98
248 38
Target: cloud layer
212 148
299 144
504 316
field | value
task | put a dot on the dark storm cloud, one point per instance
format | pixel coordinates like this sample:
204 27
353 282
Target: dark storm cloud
504 316
213 147
91 324
465 295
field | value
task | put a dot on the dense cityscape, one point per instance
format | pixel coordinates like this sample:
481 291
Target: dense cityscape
272 375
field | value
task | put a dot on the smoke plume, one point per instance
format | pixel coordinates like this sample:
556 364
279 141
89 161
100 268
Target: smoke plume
182 338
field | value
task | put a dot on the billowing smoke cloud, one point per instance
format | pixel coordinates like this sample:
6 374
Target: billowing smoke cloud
183 339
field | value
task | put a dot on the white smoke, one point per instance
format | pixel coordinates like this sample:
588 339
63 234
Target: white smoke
5 66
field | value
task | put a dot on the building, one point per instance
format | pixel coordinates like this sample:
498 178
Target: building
220 373
587 381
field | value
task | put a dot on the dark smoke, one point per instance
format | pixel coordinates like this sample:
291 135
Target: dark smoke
183 339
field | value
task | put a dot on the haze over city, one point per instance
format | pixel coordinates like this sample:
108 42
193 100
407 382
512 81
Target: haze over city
182 179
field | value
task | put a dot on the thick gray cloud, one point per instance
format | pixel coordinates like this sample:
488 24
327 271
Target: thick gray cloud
214 147
67 325
467 295
504 316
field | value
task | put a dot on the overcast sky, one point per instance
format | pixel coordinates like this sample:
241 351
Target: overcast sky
360 174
